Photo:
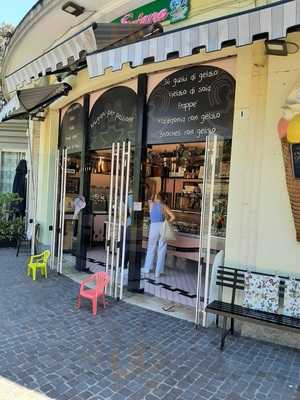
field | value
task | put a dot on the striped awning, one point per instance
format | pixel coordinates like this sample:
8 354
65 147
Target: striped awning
31 101
56 58
95 37
273 21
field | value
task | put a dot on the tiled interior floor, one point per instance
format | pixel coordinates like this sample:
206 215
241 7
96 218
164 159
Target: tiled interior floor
178 284
164 305
175 285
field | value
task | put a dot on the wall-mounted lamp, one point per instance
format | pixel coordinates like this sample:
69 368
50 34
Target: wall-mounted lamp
73 8
276 47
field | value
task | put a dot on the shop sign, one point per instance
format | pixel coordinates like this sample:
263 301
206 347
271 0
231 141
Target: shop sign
71 133
113 118
295 150
157 12
190 104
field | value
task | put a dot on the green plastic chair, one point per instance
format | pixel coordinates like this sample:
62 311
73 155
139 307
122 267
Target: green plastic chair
38 262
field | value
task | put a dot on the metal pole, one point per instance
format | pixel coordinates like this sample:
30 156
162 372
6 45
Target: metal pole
199 278
28 180
63 207
125 217
61 161
121 203
211 200
108 233
34 196
54 217
112 277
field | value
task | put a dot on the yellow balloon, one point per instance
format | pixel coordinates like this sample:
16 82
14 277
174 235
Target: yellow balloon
293 130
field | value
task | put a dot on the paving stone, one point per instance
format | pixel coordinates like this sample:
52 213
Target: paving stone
125 392
151 397
126 352
117 396
85 395
173 394
107 393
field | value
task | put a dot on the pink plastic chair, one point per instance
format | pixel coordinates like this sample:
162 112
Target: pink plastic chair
101 280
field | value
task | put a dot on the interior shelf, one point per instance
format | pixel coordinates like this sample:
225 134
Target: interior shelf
186 211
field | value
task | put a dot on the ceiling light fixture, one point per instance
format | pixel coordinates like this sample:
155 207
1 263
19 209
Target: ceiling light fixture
73 8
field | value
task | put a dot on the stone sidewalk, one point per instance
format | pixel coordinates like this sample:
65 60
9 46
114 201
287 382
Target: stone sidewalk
126 352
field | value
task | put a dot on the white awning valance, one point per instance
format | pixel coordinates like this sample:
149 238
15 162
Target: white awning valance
59 55
95 37
243 28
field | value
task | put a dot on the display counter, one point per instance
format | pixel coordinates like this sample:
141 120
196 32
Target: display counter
186 245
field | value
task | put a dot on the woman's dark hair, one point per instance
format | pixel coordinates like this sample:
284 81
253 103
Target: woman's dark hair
161 196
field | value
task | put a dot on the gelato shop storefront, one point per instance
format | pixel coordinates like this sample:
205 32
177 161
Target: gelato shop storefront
167 134
185 121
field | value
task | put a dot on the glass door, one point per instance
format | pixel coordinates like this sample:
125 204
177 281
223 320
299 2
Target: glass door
209 244
175 173
107 215
67 199
58 226
53 227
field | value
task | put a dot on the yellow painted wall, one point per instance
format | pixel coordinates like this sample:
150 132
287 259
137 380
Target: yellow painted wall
260 227
46 169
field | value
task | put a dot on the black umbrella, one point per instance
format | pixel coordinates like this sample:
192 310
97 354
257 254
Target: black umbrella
19 186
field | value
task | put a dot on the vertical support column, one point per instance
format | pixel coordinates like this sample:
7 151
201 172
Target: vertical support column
84 216
108 231
121 225
140 154
201 241
113 266
53 227
208 248
63 205
32 186
63 167
127 172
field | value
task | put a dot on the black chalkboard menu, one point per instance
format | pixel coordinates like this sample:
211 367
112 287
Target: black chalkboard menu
191 103
113 118
295 150
72 126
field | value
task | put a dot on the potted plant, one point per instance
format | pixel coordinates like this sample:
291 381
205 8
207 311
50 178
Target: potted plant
11 225
154 159
182 156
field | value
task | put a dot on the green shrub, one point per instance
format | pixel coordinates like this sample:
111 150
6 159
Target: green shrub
11 225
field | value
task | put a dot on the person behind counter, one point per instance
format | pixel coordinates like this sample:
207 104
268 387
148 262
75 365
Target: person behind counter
158 212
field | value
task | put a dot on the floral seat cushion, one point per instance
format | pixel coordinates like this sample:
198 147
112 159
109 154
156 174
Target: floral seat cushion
292 299
261 292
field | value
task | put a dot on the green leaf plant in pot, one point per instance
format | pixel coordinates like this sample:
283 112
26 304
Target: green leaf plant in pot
182 156
154 159
11 225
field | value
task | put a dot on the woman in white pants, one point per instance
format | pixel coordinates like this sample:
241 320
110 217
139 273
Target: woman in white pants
158 212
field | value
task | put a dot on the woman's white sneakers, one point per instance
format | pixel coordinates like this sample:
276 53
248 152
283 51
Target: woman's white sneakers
157 276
